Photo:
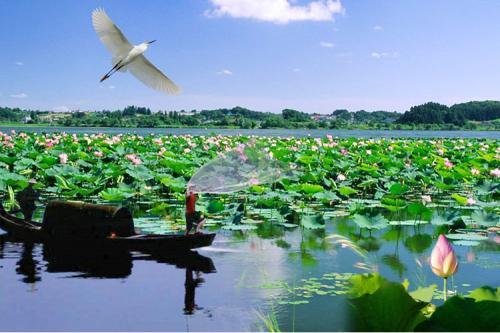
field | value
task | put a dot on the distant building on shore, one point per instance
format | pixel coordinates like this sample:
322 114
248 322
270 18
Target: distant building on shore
319 117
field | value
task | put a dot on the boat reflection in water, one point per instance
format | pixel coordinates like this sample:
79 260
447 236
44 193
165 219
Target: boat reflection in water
106 262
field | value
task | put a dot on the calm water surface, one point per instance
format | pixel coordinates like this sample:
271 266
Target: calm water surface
267 132
216 288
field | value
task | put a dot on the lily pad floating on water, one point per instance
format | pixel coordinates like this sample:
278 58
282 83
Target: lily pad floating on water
407 222
336 213
251 221
466 243
466 237
289 225
370 222
235 227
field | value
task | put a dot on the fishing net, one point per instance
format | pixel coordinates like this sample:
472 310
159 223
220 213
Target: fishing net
236 170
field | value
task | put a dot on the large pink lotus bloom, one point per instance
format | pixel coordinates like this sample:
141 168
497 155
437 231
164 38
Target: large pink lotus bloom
63 158
444 261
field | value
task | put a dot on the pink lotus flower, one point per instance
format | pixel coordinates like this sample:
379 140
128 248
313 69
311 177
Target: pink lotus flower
444 261
343 152
495 172
426 198
98 153
474 171
253 181
341 177
448 164
471 201
133 158
63 158
130 157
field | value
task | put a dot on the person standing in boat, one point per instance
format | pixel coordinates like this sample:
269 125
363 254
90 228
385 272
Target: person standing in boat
26 200
193 218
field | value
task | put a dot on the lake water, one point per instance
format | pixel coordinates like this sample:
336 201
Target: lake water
266 132
290 272
222 287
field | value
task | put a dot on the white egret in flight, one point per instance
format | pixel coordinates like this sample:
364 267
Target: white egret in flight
129 57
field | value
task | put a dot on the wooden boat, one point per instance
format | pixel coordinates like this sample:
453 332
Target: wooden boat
78 225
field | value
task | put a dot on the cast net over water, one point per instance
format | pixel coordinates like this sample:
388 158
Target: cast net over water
236 170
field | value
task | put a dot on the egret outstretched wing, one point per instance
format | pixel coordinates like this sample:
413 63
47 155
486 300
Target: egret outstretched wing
151 76
109 34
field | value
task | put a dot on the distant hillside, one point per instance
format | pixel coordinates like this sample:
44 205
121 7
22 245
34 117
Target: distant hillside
458 114
470 115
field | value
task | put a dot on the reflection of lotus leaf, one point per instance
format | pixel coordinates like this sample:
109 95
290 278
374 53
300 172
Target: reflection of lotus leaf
418 243
370 244
394 263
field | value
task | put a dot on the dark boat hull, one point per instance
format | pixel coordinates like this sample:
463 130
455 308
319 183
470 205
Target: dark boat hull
146 243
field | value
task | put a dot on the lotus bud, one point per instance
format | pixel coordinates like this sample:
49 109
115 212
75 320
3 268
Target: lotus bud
444 261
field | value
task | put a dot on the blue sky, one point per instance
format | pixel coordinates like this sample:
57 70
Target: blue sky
314 55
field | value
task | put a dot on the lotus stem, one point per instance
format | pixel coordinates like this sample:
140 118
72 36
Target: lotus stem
444 289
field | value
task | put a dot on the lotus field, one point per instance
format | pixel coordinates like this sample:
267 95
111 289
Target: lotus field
377 182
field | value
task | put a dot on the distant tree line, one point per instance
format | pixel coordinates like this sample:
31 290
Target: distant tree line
458 114
470 115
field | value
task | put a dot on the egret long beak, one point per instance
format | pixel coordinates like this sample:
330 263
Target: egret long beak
151 42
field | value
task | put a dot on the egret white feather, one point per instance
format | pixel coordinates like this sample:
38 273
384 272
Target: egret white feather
128 56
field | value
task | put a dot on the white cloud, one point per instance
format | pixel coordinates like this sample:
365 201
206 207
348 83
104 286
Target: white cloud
378 28
380 55
225 72
276 11
61 108
111 87
19 63
296 70
20 95
326 44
